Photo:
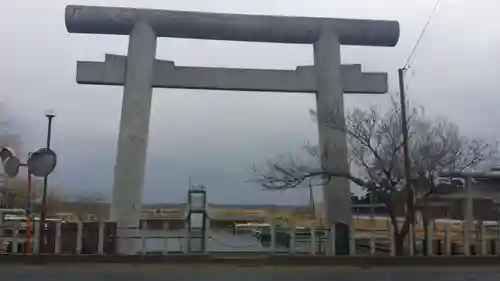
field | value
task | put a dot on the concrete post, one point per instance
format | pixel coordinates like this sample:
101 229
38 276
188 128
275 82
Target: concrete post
272 233
206 233
392 242
447 239
36 240
133 136
373 234
293 239
187 239
15 236
143 243
331 242
57 248
430 235
165 246
2 222
468 215
314 240
497 239
79 237
100 243
330 102
352 240
372 244
411 240
483 239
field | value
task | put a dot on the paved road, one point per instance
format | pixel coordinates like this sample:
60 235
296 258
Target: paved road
230 273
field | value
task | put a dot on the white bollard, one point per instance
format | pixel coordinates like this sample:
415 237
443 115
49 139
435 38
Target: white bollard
15 234
483 240
207 233
293 238
372 242
36 242
272 233
186 242
2 225
313 240
333 239
411 240
468 222
143 242
392 242
496 247
79 237
447 239
165 246
57 247
372 230
100 243
430 235
497 240
466 238
352 240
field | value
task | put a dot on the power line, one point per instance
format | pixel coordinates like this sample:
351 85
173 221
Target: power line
413 51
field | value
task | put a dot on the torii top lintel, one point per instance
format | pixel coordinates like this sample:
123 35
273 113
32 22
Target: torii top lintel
232 27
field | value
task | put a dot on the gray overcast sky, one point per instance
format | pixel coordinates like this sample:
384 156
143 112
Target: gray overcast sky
217 136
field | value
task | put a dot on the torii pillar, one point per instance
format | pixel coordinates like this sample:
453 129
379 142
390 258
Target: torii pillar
139 72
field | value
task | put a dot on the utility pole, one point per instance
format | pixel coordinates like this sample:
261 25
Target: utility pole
43 212
410 196
28 215
404 127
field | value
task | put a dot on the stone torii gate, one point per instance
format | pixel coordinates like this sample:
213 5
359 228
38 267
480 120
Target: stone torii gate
139 72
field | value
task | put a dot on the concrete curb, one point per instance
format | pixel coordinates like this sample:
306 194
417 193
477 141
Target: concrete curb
257 260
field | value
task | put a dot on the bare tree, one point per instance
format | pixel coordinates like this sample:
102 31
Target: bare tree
374 141
16 196
438 147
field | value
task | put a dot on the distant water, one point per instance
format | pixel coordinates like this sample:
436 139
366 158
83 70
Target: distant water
219 241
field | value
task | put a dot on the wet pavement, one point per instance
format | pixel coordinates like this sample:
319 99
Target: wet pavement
226 272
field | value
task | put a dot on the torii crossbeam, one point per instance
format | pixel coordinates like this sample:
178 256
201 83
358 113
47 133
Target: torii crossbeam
167 75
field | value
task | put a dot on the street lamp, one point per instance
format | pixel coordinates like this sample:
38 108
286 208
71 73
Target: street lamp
40 163
45 161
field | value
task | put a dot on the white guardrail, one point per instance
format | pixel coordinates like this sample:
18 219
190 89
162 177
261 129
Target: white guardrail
369 242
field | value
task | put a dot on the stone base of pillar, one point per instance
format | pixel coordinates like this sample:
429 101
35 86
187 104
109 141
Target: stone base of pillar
125 244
